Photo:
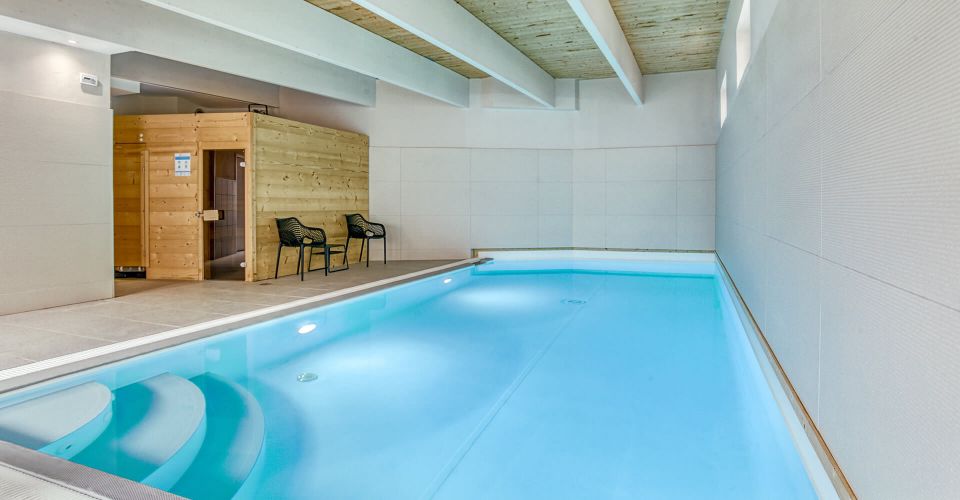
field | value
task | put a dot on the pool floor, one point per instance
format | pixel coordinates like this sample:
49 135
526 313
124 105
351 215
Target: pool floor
519 386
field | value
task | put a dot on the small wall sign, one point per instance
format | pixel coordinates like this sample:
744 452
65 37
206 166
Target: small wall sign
181 164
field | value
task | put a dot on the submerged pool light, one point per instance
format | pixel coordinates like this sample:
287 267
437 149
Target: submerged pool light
447 281
305 329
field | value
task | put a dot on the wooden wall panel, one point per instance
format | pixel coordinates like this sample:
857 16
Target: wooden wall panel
313 173
128 208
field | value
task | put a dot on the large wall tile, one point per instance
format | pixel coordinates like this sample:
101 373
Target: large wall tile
504 198
435 165
641 232
385 198
588 165
891 207
589 198
888 406
504 231
385 164
696 163
435 198
513 165
555 231
696 232
556 198
642 198
641 164
848 23
793 56
556 165
792 317
792 170
443 232
696 198
589 231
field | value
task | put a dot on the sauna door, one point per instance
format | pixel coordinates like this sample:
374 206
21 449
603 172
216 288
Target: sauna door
174 215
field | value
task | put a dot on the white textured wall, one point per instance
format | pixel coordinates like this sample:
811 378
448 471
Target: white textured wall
611 174
838 215
56 206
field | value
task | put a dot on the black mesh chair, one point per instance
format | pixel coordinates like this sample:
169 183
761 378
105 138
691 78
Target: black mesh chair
294 234
364 230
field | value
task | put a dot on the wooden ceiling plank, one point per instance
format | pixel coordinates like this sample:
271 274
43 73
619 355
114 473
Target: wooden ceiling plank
598 18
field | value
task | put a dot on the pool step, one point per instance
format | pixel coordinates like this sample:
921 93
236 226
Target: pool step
156 432
62 423
233 443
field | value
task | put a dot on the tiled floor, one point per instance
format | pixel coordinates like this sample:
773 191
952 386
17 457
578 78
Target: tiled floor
144 307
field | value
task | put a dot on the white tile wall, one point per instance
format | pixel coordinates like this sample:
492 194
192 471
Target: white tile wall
56 208
838 217
523 198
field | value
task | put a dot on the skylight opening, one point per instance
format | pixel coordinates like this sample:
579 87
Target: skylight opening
743 40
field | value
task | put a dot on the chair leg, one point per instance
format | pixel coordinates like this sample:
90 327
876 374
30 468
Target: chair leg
368 254
276 272
300 263
310 260
326 261
384 249
362 243
346 250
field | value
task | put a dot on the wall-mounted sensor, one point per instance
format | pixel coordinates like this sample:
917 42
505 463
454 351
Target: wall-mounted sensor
89 80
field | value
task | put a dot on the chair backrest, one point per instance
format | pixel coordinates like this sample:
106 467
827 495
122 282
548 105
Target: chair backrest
357 226
291 231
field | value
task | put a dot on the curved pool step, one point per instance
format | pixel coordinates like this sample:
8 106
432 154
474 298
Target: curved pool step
157 429
235 430
61 423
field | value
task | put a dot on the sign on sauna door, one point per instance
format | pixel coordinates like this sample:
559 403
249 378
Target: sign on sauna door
174 202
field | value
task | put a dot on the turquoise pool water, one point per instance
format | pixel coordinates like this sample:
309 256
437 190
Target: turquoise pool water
509 381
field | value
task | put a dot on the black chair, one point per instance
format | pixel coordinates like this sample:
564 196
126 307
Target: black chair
294 234
364 230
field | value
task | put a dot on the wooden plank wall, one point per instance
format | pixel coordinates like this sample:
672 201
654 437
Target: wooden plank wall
128 208
173 229
313 173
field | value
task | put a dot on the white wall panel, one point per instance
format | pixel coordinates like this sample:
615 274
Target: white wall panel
556 165
641 164
890 369
793 56
696 163
850 265
792 172
56 182
891 187
641 231
792 316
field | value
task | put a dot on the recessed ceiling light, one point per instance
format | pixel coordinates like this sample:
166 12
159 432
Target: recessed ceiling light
305 329
72 42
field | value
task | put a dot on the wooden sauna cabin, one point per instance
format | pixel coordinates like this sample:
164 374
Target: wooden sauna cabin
196 195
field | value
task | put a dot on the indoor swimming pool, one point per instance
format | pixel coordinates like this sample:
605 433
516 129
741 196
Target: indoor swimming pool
510 380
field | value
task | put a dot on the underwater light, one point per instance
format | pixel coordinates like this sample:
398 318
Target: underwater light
305 329
447 281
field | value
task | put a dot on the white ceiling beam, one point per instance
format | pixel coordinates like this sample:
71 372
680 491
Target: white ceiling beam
601 22
135 25
309 30
452 28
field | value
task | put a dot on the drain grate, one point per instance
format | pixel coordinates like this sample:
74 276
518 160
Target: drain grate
574 301
306 377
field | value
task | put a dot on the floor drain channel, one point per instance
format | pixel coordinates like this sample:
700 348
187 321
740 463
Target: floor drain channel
306 377
574 301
